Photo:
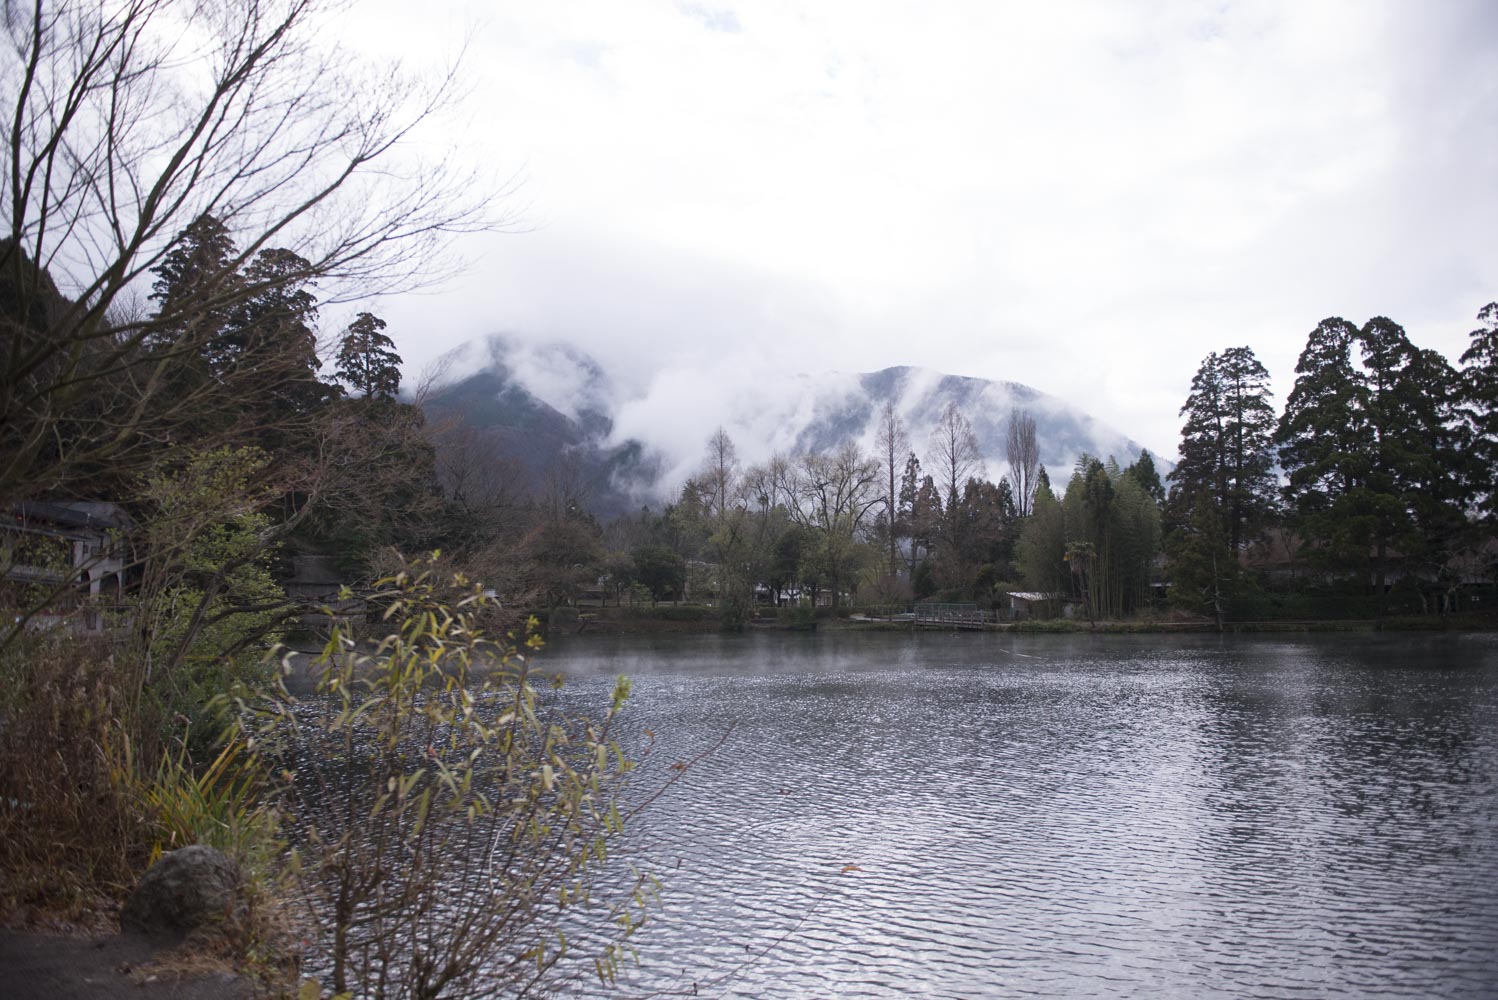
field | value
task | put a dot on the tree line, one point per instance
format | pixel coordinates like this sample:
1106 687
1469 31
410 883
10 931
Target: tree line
1374 484
845 526
1378 476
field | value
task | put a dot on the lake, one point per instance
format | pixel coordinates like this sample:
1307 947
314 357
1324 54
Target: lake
994 815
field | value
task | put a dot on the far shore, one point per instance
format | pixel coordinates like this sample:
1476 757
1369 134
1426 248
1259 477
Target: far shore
667 619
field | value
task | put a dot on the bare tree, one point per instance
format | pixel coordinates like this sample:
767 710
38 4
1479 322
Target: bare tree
720 473
893 443
954 451
1022 449
129 122
831 494
476 472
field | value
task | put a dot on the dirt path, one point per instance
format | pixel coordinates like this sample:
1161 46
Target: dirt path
37 966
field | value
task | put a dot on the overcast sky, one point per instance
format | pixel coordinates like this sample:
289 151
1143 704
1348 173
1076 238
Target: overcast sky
1084 196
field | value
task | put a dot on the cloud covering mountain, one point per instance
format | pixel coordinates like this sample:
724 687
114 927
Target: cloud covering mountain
549 401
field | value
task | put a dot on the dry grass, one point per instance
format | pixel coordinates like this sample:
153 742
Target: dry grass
84 812
70 824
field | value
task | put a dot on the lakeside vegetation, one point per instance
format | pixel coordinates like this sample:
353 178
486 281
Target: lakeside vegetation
163 281
189 188
1370 495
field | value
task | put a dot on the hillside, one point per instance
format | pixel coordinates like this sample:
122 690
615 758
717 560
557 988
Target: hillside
544 404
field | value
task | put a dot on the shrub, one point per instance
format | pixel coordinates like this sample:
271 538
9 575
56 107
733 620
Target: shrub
447 818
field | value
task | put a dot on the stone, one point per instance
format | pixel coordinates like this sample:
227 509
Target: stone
189 890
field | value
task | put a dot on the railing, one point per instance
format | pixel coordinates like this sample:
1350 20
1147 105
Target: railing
961 615
934 613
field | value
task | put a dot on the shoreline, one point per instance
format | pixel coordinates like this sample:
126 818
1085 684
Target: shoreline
703 619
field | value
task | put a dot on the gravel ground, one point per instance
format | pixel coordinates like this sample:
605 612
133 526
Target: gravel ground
36 966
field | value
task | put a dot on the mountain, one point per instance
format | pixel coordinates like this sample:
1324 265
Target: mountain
509 399
831 407
543 403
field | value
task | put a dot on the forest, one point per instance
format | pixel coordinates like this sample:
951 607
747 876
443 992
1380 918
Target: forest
1370 494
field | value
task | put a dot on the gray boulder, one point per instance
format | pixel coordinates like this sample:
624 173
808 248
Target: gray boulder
189 890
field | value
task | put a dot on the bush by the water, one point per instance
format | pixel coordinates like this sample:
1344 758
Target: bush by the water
449 818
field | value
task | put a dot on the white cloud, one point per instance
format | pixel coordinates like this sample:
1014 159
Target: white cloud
1084 196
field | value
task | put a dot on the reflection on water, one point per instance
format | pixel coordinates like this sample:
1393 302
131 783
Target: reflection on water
1065 816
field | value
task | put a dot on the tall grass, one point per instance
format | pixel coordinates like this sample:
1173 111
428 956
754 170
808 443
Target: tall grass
73 831
219 805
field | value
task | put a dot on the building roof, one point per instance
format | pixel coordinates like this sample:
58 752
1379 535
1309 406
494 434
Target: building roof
97 515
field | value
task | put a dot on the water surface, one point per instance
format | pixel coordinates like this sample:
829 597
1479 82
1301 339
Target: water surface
1060 816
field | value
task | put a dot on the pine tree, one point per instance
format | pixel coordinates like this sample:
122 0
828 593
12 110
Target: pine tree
1370 447
1147 476
1479 403
272 335
1226 445
195 284
367 359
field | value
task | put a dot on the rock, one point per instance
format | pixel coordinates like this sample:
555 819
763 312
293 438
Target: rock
192 889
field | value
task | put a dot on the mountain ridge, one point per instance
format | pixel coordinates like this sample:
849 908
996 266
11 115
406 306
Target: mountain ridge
515 392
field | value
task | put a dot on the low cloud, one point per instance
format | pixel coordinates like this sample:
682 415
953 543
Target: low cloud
1083 197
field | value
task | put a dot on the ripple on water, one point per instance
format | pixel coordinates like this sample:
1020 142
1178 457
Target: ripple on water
1092 819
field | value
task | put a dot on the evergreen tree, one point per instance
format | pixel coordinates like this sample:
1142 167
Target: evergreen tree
237 348
987 515
367 359
1479 400
1419 471
1226 444
196 283
1147 476
910 486
926 517
271 340
789 560
1087 508
1370 446
1041 550
1203 568
1135 529
1112 535
661 571
1322 433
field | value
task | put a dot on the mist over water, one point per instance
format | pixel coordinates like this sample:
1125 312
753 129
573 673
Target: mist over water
1063 816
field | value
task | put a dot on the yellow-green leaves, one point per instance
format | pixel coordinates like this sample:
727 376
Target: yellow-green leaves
460 805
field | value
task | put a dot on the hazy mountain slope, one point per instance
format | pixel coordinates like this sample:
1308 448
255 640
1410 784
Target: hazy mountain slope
848 406
552 401
501 398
